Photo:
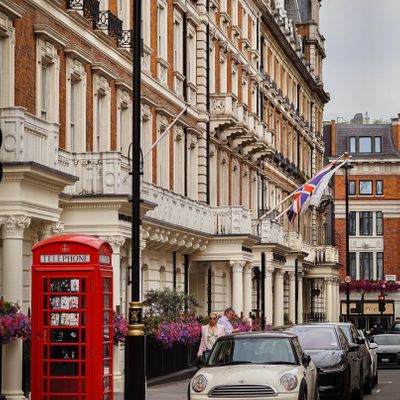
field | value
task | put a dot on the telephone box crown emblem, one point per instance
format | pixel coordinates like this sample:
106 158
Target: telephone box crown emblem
64 248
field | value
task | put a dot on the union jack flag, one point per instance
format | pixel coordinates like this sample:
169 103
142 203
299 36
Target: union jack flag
302 195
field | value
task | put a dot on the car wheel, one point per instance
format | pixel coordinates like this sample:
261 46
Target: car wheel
367 387
303 390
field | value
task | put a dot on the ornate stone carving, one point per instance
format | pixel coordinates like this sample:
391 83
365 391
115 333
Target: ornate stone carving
115 241
237 265
14 226
48 230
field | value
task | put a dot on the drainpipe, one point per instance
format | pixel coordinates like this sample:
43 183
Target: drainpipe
174 269
184 69
208 110
186 279
263 291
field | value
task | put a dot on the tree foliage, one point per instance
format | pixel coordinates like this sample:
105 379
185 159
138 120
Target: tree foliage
167 303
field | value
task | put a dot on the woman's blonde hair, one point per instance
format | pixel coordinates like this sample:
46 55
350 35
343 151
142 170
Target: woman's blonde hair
213 313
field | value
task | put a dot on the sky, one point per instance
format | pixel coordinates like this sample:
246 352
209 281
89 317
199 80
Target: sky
362 67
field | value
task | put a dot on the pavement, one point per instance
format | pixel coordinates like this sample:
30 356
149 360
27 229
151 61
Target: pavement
166 391
387 389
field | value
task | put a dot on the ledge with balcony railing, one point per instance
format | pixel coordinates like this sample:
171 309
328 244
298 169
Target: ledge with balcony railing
180 211
223 110
98 172
102 20
28 138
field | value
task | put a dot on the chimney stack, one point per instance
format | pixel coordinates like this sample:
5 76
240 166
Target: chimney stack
396 131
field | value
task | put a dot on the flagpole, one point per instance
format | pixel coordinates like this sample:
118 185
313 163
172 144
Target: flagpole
283 212
345 154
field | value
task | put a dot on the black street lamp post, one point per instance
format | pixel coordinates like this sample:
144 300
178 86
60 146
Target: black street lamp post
346 167
135 342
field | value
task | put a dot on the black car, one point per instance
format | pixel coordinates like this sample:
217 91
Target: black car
395 328
337 368
388 350
362 355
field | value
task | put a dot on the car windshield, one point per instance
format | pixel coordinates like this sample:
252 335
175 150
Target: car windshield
386 340
252 351
317 338
347 331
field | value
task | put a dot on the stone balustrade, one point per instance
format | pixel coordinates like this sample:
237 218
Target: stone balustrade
28 138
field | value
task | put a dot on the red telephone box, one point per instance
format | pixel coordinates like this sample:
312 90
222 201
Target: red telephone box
72 334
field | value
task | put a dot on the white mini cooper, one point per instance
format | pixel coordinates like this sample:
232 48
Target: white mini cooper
256 365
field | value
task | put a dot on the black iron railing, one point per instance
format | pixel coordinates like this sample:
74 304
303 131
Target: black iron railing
125 40
108 21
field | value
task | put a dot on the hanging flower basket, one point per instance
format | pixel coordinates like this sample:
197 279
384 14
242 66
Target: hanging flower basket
366 285
14 324
120 328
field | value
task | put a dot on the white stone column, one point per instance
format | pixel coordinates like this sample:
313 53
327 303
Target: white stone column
237 285
116 243
269 309
300 303
292 296
247 292
12 287
336 304
329 300
278 298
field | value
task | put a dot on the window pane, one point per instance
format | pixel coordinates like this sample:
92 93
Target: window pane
352 264
352 187
353 145
352 223
379 187
379 223
366 265
365 223
379 266
378 144
365 187
365 145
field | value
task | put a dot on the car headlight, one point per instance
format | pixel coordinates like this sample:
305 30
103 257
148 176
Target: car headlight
289 381
335 368
199 383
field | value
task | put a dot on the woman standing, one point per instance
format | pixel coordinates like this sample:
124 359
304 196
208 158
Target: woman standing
209 334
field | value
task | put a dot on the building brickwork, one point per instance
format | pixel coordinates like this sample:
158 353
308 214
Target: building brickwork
250 81
374 198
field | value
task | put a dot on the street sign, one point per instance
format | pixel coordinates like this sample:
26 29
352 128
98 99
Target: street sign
347 279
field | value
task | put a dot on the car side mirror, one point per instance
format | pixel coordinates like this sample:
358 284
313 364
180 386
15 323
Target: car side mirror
373 346
360 340
353 347
306 360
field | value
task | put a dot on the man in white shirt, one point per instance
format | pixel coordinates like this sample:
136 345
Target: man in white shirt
225 320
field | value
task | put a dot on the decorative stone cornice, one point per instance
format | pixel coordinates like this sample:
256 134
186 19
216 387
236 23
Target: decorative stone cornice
49 34
77 52
115 241
11 9
104 70
48 230
237 265
14 226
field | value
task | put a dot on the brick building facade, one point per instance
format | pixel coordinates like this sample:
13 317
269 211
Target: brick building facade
374 196
250 74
